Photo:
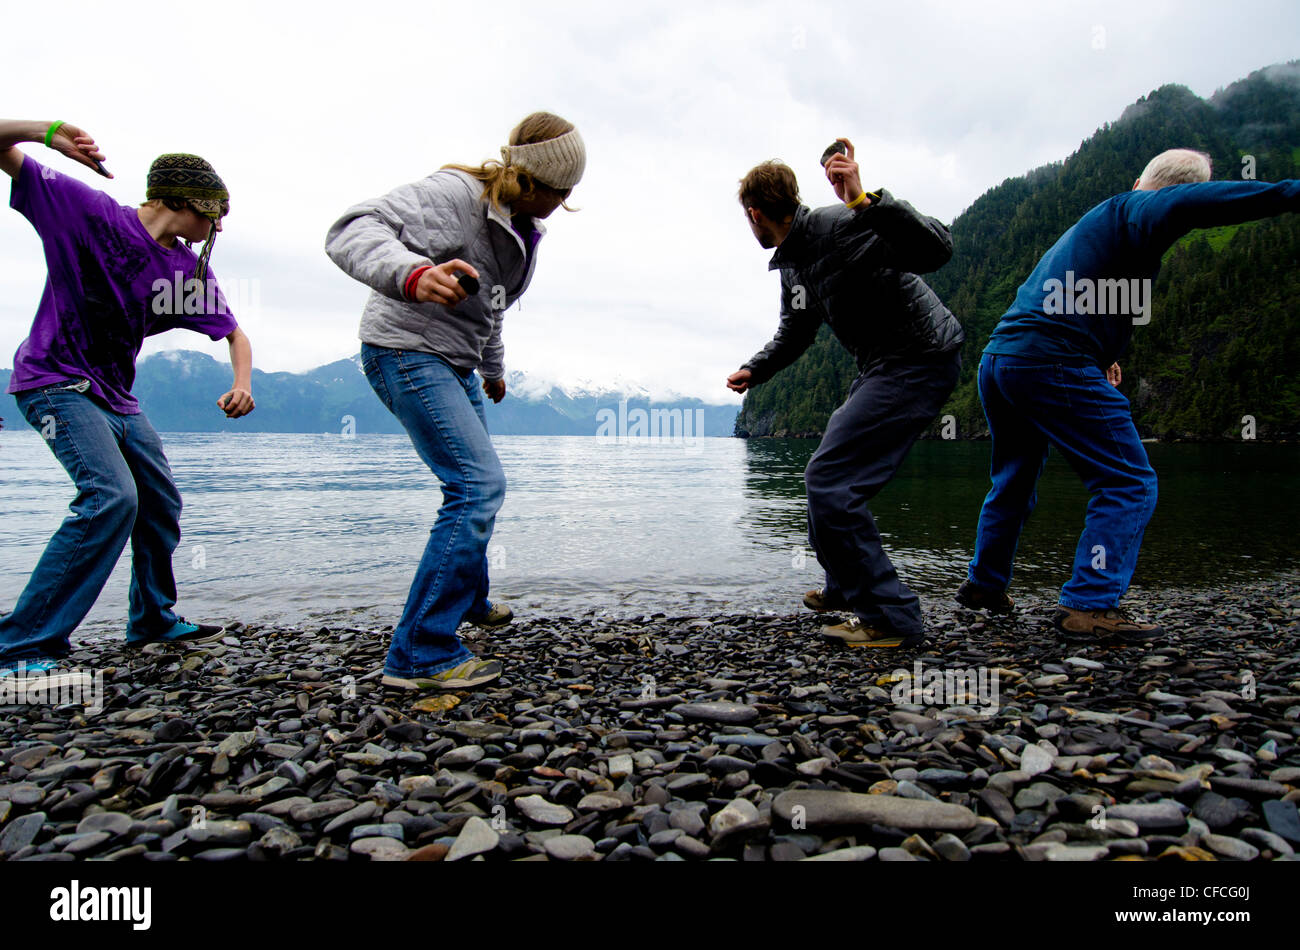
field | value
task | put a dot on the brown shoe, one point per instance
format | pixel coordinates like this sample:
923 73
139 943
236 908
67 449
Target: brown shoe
1093 626
854 633
818 601
981 598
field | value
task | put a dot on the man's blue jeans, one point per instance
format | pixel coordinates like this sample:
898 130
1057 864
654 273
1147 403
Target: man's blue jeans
124 492
442 411
1030 405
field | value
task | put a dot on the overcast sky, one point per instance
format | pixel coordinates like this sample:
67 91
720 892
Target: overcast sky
305 109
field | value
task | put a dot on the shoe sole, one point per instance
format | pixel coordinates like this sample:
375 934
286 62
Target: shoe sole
824 608
397 682
179 641
1101 637
882 643
483 625
970 605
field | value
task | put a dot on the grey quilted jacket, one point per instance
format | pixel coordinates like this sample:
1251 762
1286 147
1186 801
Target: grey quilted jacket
856 270
436 219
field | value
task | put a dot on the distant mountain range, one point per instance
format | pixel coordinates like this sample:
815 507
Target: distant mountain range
178 390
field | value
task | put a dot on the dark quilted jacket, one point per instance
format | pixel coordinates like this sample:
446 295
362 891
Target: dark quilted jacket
856 270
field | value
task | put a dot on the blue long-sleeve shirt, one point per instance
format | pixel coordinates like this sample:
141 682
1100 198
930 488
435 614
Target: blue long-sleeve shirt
1083 298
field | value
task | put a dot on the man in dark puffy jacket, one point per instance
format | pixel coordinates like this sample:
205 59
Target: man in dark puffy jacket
854 266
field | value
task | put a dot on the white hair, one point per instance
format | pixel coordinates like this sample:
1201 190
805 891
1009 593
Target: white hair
1177 166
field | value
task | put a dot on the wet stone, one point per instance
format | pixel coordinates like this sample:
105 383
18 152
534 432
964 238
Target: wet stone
537 809
1219 812
1283 820
1157 816
20 832
380 849
476 837
828 809
386 830
112 822
23 794
724 712
570 848
85 843
1232 848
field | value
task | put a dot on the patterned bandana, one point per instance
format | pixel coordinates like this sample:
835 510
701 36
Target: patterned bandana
190 178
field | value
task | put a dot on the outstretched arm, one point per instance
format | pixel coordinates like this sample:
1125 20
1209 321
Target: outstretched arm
239 400
1166 214
67 139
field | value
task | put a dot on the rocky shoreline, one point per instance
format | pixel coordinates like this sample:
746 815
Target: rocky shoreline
737 737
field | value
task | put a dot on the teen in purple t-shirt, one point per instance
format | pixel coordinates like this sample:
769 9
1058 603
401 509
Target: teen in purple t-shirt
117 274
102 291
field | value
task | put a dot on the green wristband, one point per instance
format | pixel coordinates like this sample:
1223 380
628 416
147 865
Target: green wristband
49 133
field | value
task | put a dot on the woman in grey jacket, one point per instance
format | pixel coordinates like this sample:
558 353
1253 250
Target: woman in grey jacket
445 257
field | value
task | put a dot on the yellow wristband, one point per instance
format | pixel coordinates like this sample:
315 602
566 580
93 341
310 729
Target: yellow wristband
856 201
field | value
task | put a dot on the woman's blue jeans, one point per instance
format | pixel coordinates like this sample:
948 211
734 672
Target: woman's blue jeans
125 492
1029 406
442 411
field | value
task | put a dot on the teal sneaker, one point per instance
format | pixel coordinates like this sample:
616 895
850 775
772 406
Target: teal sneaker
37 678
183 632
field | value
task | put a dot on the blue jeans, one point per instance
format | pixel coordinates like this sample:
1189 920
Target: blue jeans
1030 405
124 492
442 411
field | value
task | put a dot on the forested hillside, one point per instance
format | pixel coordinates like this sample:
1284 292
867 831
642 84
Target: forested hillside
1224 337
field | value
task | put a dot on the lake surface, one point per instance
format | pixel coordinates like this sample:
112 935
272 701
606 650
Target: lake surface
302 529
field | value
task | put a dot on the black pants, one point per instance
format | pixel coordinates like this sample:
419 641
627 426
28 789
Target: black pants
866 440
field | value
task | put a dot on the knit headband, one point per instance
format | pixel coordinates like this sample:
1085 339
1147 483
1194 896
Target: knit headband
191 179
558 162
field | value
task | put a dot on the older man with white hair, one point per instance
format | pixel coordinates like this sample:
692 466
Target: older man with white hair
1049 374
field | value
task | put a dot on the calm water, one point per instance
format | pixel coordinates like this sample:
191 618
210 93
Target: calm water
300 528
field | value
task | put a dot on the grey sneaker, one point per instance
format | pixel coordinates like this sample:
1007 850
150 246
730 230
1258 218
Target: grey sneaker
498 615
470 673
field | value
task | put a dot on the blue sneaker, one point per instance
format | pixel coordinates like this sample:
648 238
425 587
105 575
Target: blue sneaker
182 632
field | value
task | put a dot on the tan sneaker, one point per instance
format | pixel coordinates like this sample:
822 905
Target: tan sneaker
468 674
853 632
818 601
1093 626
498 615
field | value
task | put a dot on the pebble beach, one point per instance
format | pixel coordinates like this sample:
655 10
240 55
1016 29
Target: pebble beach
732 737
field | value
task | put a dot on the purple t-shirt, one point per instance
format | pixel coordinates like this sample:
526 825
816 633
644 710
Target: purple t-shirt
110 285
